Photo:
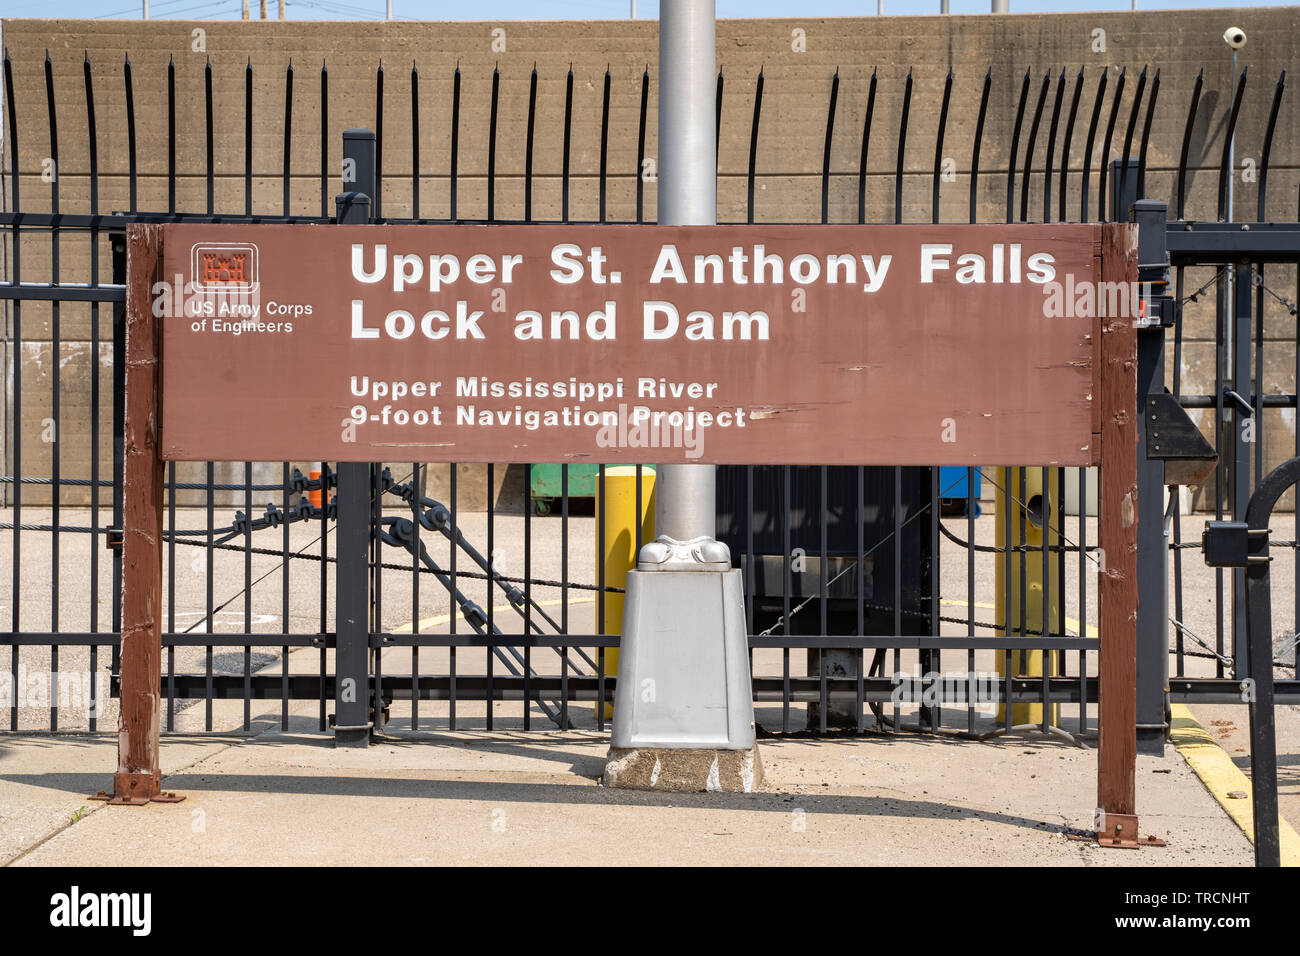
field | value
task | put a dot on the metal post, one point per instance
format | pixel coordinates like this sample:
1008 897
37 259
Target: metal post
119 432
138 779
352 715
1001 6
1153 533
1259 627
686 507
1242 404
684 611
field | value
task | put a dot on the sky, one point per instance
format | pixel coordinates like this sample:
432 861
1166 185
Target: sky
564 9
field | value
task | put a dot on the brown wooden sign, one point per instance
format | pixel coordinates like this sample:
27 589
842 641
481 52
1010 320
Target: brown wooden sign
1006 344
925 344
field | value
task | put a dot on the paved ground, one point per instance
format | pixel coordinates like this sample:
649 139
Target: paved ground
508 798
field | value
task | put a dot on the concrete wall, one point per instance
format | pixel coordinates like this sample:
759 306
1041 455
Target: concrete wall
798 59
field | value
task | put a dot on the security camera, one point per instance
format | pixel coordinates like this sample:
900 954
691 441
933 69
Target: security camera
1235 37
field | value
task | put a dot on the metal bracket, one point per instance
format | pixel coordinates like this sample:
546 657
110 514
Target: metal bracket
1226 544
1118 831
164 796
113 538
1172 437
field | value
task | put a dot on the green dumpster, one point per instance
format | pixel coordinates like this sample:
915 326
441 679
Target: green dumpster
547 486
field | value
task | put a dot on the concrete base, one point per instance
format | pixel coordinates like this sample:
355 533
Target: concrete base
688 771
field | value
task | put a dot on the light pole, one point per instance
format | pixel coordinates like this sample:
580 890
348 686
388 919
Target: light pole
688 196
683 704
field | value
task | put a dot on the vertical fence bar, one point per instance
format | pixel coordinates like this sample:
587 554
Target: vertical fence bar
1146 136
209 140
1064 176
640 145
451 185
1051 147
286 164
171 131
491 537
209 578
1015 147
56 491
902 149
564 585
976 143
248 594
604 145
92 149
1105 145
786 584
826 150
415 170
1029 147
377 193
602 497
324 211
528 597
866 144
937 176
753 151
354 496
1085 175
248 138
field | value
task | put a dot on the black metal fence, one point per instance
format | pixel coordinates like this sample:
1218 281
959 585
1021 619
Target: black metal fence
868 602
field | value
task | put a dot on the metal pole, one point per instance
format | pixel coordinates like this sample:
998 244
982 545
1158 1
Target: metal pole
1232 161
1001 6
145 5
633 14
389 11
688 196
352 712
1152 535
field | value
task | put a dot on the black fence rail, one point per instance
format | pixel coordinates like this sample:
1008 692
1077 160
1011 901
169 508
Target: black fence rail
871 605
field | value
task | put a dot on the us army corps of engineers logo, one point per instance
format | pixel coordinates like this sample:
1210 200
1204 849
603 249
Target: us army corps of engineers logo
225 267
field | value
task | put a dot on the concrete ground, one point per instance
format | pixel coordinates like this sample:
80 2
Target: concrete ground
951 801
514 798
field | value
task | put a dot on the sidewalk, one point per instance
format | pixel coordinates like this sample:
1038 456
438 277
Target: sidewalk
514 798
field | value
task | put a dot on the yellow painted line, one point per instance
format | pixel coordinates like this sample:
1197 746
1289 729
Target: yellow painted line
984 606
446 618
1221 776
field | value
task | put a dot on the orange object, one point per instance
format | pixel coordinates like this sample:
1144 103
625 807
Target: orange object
314 496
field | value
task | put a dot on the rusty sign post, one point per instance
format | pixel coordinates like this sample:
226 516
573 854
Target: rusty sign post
138 779
705 344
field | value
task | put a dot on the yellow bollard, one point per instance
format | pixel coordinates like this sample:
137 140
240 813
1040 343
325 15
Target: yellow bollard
1027 512
621 547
